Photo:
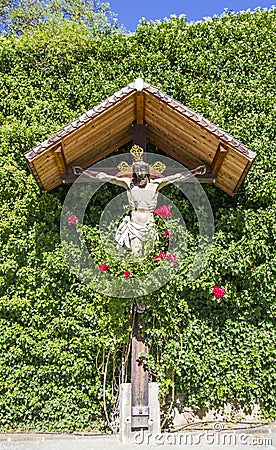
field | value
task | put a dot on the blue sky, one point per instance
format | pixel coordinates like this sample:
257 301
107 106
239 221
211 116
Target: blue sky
131 11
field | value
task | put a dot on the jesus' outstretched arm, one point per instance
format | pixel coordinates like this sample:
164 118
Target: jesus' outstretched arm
102 176
182 177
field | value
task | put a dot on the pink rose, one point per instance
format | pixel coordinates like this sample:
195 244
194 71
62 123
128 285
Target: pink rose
169 257
169 234
174 259
161 255
103 267
72 219
218 292
163 211
126 274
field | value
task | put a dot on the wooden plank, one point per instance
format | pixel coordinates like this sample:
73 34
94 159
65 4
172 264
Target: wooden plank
71 148
139 378
236 160
55 183
123 111
245 172
207 154
92 144
163 123
34 172
170 111
224 188
178 151
140 107
46 164
102 144
102 152
49 182
179 121
51 179
219 158
197 144
229 173
48 169
177 139
174 153
121 118
229 181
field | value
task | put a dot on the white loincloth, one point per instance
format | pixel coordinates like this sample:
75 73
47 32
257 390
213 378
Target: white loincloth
127 231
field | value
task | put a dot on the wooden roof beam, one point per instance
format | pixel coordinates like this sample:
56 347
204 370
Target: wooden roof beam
140 107
140 101
60 160
218 159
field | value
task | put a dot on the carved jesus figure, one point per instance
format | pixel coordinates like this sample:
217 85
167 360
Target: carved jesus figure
142 192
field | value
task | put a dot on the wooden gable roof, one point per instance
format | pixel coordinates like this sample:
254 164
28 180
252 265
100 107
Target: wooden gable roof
177 130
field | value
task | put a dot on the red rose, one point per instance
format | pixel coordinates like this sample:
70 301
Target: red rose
161 255
126 274
163 211
218 292
103 267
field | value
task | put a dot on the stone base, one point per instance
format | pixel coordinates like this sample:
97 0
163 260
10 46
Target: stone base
126 435
182 415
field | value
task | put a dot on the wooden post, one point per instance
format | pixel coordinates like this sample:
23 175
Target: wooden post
139 378
139 134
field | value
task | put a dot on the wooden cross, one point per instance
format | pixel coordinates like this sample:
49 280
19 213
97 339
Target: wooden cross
139 375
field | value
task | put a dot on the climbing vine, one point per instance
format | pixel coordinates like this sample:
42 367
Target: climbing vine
65 347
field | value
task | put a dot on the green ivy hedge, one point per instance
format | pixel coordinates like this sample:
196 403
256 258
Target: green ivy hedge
62 345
